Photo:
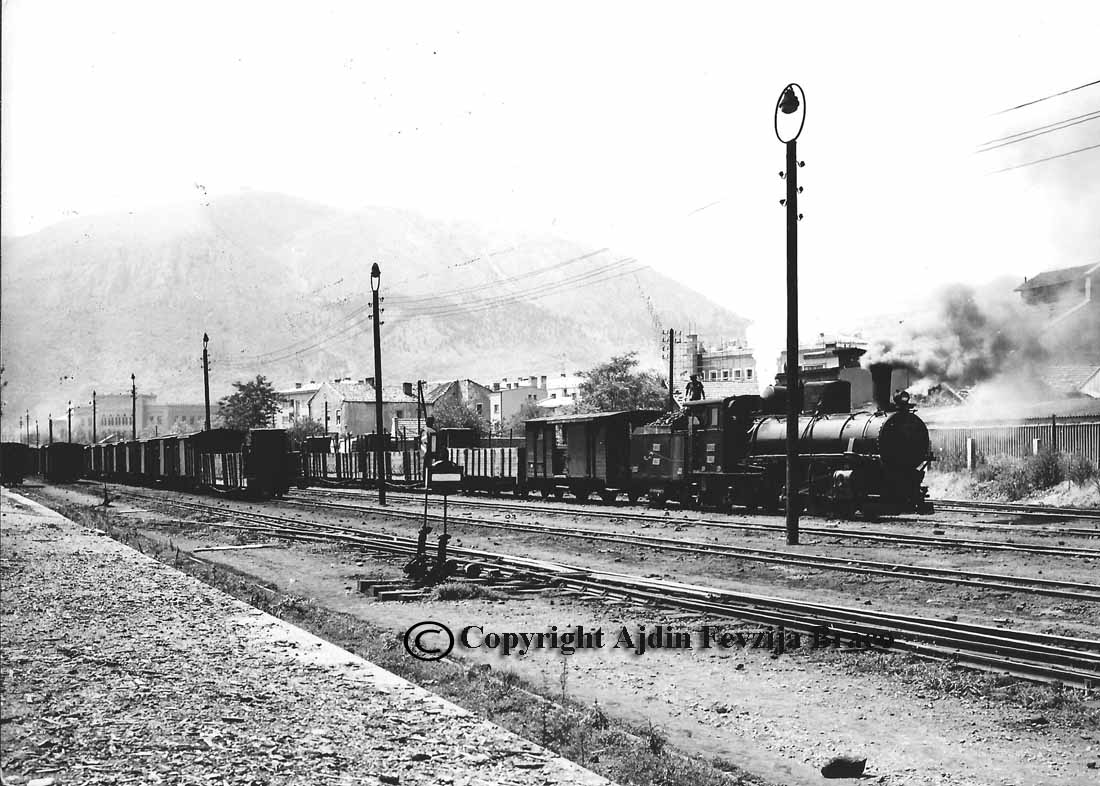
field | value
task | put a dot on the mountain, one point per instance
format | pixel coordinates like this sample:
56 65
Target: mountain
282 286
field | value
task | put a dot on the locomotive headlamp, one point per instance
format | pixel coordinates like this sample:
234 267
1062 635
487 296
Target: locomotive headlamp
790 113
375 277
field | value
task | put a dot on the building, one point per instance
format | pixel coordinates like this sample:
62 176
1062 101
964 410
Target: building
506 403
295 403
348 406
1069 299
464 392
113 414
728 369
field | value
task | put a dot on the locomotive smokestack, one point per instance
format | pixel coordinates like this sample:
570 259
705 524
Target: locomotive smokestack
880 385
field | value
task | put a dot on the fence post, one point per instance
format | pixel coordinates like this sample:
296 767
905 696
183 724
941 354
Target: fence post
1053 434
1035 445
969 454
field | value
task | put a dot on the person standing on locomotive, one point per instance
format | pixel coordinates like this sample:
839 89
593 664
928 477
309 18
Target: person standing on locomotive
694 390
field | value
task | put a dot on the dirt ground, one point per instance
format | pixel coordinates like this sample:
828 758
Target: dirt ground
780 718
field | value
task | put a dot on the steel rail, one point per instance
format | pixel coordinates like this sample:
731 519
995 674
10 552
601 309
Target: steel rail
995 581
890 537
1048 511
1037 656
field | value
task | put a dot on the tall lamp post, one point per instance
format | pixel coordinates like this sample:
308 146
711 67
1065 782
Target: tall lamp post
133 404
379 449
206 377
93 418
69 425
28 427
790 116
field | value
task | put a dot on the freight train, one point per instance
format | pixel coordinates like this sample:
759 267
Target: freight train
714 453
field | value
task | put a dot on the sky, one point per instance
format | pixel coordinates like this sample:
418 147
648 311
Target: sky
640 126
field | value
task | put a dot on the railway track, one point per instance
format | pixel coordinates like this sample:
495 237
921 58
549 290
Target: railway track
904 539
1036 656
1069 590
1039 511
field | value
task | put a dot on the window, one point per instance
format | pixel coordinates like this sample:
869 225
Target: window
725 374
337 417
748 373
737 373
496 409
478 409
400 414
714 375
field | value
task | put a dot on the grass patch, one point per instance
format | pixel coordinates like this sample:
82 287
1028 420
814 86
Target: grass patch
461 590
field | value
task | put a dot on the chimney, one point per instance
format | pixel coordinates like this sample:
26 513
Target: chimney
880 385
407 388
297 385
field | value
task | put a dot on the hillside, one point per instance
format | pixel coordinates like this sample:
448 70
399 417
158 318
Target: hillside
282 287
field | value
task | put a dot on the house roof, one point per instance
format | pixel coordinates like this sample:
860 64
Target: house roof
1050 278
1067 379
968 414
390 395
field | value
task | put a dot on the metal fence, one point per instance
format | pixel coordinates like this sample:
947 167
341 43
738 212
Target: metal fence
1022 438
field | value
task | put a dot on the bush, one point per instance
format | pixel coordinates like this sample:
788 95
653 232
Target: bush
1077 468
1045 469
1009 476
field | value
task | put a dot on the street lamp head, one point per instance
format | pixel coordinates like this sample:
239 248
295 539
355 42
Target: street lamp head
205 340
790 113
375 277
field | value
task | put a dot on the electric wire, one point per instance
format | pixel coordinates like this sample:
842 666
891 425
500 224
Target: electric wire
1048 158
1046 98
1049 130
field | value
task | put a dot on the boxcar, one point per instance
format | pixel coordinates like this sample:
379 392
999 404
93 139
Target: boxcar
269 469
15 462
583 454
64 462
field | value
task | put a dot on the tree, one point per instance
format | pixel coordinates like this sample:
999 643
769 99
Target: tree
254 405
529 411
451 412
303 428
615 385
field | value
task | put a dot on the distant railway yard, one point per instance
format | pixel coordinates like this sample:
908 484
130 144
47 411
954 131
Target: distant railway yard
972 629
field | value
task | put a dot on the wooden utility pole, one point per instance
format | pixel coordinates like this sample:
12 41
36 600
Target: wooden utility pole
206 377
671 369
133 404
93 419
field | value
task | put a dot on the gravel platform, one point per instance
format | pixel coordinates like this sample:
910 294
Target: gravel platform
118 669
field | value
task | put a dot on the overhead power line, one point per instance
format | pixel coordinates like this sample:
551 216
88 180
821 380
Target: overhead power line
1048 158
438 307
1046 98
1048 129
310 342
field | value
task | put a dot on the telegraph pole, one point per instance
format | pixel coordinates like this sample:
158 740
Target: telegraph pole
37 435
28 420
379 451
671 367
326 417
51 427
790 116
70 423
93 418
133 404
206 377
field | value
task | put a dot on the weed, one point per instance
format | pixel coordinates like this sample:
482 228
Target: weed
460 590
